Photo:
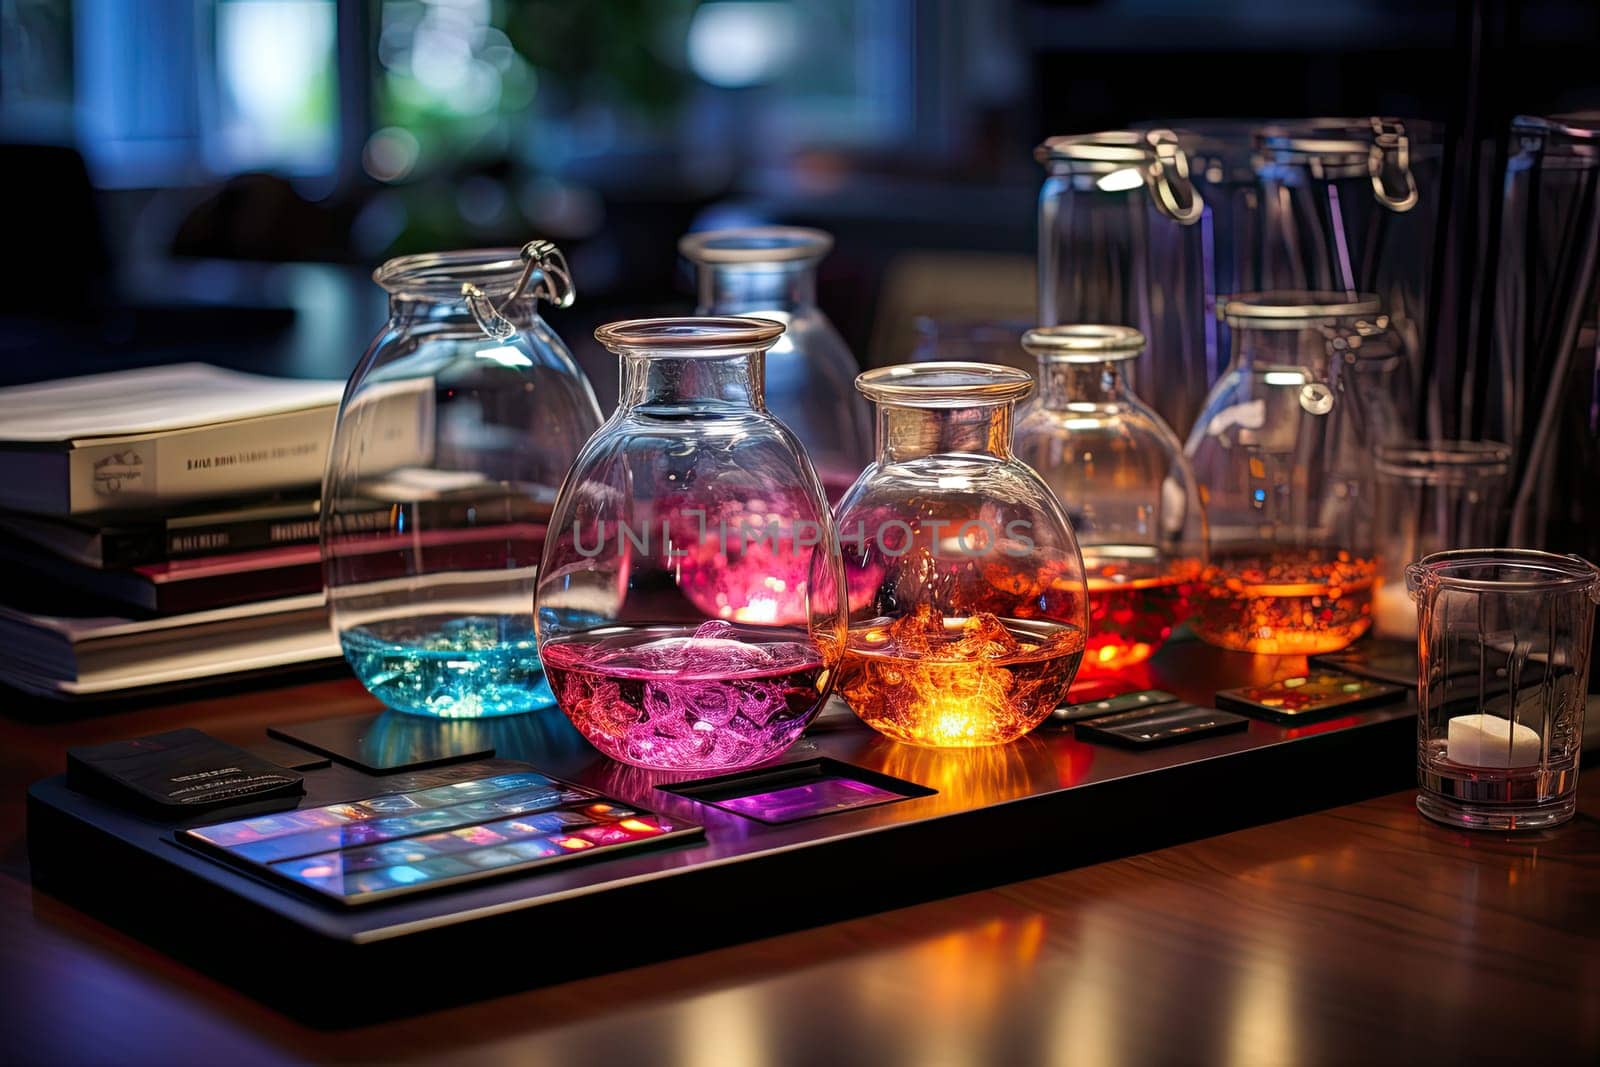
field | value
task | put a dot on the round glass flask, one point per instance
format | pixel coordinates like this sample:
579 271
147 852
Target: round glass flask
771 272
454 432
691 603
1284 453
973 620
1130 494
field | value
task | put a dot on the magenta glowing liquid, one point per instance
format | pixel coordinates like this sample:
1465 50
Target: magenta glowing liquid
713 697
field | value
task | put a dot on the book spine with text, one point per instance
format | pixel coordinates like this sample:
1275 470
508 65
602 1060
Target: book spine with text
228 459
133 547
247 456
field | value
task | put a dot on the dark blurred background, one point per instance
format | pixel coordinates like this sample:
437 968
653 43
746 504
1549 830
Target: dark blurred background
214 179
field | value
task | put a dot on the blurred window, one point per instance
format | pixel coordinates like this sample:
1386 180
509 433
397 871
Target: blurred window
176 92
449 87
276 86
181 92
854 81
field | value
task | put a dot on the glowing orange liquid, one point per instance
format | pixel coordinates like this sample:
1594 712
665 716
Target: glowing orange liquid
1129 620
1286 604
957 682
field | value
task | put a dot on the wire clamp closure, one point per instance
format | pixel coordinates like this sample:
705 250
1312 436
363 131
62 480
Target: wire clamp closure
545 276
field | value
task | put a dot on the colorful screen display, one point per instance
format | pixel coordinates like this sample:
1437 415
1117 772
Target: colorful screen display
821 797
396 843
1311 694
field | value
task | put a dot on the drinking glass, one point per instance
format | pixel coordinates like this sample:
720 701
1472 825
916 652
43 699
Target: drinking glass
1433 496
691 603
1503 640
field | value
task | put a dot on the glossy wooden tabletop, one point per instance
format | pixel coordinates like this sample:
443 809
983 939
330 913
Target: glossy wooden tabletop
1360 934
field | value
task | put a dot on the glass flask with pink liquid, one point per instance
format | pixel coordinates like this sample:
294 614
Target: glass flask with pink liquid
691 601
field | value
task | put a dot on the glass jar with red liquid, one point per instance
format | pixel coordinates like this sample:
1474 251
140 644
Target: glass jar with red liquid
1285 454
967 601
1130 494
691 600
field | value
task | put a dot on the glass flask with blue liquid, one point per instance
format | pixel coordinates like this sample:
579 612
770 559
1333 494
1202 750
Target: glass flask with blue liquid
454 433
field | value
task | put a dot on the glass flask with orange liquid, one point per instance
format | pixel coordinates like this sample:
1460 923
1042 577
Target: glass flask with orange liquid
967 600
1130 494
1284 452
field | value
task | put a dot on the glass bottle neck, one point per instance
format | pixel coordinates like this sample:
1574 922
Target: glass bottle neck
663 384
732 288
1061 383
906 433
1306 348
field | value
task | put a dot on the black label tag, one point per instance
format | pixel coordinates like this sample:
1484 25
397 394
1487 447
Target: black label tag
181 771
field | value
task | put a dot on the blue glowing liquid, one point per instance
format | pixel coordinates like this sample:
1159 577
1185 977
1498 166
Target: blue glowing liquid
451 667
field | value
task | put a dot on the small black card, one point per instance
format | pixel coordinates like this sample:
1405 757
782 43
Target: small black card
178 773
1379 658
290 756
1166 725
1093 709
390 742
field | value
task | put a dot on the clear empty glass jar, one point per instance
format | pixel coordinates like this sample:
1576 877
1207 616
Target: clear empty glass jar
1350 205
1120 242
967 607
455 430
1433 496
1320 183
1542 378
1504 645
771 272
1284 453
1342 204
691 603
1120 473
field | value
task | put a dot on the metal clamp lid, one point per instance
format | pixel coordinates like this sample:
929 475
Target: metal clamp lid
554 285
1168 171
1389 165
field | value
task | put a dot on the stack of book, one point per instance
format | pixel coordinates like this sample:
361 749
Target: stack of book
159 526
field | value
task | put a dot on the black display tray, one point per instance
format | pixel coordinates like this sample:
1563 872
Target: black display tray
1045 803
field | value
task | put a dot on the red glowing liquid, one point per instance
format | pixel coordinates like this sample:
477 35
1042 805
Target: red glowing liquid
1129 620
716 697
